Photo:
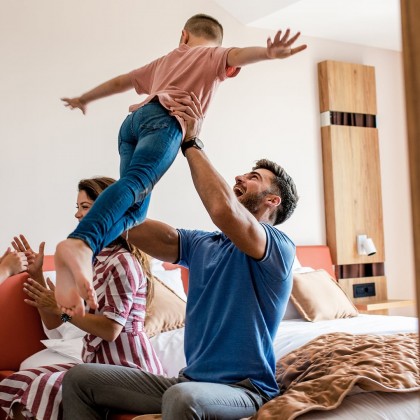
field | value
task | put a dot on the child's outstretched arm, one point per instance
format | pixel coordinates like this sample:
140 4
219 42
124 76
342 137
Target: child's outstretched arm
280 47
118 84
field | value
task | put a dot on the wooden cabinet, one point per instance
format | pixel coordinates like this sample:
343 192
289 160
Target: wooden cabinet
352 179
351 163
346 87
352 191
378 304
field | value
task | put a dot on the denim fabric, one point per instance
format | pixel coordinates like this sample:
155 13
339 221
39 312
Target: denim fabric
149 141
90 389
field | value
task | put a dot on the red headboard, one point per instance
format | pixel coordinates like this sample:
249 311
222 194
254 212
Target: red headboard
315 256
184 273
48 263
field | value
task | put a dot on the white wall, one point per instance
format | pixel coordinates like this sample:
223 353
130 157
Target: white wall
52 49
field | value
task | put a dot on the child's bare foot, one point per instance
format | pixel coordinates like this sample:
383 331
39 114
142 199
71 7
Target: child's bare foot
73 262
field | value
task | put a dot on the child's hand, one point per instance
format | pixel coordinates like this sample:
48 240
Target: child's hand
75 103
281 47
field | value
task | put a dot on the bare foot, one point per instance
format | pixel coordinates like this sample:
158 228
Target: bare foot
73 263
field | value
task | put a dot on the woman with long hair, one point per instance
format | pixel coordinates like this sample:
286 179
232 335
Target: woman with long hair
114 331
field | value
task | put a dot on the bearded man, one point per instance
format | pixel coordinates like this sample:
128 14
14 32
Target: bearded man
240 279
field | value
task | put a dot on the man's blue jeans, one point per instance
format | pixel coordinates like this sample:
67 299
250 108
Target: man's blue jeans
90 389
148 143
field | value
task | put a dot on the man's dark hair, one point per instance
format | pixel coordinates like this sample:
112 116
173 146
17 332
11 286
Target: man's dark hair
205 26
283 186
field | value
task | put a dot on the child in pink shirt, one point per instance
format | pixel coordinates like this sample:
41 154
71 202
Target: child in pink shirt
149 140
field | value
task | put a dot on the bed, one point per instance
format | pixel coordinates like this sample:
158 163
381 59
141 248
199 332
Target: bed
320 324
361 365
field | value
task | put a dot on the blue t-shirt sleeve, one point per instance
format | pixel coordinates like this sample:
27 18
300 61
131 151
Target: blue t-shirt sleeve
279 254
188 239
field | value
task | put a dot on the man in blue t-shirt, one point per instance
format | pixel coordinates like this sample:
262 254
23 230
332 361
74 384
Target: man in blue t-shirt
240 279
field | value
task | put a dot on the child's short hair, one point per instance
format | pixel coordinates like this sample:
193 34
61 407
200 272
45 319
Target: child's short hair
205 26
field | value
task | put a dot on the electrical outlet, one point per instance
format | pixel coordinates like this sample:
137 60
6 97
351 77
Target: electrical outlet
364 290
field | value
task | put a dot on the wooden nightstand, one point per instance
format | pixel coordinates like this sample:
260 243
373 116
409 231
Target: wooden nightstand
381 307
378 304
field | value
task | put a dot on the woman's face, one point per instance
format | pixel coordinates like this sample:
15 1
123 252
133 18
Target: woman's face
84 203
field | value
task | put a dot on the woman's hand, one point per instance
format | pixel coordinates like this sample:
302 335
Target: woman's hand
35 260
13 262
42 297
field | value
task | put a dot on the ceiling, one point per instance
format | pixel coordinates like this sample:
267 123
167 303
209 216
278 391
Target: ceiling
374 23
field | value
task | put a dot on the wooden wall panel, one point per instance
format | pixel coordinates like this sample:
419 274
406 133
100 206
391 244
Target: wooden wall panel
380 288
410 16
347 87
352 188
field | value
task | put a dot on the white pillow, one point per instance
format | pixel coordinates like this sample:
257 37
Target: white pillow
44 357
169 348
65 331
156 265
291 312
171 278
71 348
296 263
300 270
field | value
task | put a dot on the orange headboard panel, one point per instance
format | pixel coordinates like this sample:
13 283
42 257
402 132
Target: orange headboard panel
315 256
48 263
184 273
50 266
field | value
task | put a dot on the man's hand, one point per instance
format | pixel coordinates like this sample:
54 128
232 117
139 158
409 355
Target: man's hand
73 103
189 109
281 46
41 297
35 260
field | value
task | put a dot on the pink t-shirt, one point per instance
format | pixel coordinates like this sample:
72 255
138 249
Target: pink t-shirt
184 70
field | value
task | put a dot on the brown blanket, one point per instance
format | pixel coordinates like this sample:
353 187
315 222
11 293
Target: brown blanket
318 375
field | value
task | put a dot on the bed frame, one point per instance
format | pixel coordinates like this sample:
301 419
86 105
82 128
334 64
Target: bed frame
315 256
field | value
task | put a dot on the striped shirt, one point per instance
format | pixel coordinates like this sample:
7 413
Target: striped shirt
121 291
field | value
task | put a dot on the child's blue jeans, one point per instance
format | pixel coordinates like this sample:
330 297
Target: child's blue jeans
148 143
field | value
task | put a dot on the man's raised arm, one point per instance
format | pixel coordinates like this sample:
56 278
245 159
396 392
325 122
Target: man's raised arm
226 212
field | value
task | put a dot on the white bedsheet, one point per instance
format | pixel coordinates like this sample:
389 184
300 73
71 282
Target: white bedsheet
372 406
291 335
295 333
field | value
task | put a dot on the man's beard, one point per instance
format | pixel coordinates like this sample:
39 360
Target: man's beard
252 201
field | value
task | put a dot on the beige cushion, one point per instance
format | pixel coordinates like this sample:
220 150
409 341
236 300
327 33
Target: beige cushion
317 296
167 311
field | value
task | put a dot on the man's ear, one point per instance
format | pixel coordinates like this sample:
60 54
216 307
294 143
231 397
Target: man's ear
185 36
273 200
